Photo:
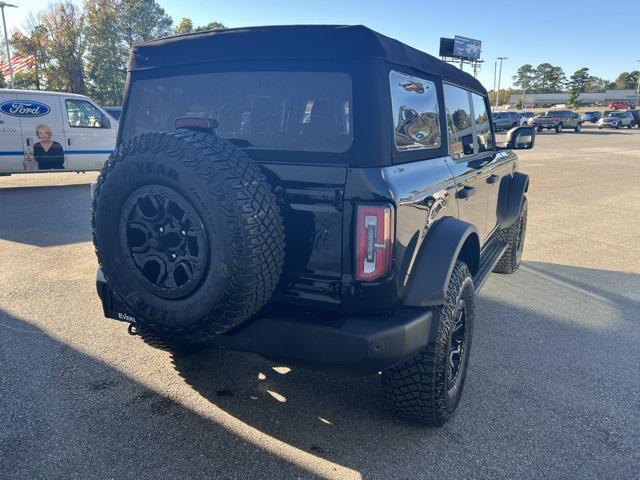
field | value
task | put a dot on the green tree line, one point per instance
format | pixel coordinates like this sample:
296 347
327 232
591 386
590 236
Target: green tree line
548 78
85 48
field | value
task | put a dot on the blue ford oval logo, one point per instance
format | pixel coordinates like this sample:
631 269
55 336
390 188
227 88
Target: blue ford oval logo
24 108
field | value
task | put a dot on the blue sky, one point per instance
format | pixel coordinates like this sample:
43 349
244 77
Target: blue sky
566 33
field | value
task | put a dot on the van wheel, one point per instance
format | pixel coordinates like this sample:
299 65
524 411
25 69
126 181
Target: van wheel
514 237
188 233
559 128
427 388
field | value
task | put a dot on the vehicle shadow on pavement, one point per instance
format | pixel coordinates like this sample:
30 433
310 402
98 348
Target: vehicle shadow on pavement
584 131
45 216
65 414
540 381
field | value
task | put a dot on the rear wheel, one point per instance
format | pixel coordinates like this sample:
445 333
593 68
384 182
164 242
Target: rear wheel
559 128
618 125
578 128
538 129
427 388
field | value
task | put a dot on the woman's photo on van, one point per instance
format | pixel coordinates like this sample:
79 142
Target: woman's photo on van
48 153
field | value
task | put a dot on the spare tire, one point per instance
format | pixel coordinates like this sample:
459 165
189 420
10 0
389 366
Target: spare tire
188 233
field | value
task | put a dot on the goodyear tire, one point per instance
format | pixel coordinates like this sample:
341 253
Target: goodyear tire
188 233
427 388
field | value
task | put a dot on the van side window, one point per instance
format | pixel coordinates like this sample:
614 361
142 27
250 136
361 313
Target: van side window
483 127
457 104
83 114
414 103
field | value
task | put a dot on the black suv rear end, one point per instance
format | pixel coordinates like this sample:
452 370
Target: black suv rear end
321 194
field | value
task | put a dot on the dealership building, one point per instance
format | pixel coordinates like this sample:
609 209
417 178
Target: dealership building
550 99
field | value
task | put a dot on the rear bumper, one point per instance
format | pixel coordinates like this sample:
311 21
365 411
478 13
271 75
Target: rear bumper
357 345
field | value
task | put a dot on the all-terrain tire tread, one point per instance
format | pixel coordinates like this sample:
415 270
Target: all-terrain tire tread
416 389
252 218
510 260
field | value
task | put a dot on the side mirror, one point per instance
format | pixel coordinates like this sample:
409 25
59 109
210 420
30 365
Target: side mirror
520 138
105 122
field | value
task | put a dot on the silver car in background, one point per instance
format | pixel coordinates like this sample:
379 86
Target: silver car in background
617 119
505 120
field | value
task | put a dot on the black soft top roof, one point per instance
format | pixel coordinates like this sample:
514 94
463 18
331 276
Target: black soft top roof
298 42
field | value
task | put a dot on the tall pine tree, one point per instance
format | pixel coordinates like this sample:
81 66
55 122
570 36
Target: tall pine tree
107 52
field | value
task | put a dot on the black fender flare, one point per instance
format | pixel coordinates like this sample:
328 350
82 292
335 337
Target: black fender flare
512 195
448 240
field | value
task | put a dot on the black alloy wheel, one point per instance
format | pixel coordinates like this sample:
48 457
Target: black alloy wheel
164 240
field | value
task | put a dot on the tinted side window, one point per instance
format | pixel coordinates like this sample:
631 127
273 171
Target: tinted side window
83 114
414 104
456 101
483 127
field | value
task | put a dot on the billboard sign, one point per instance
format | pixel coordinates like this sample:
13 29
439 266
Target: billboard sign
466 48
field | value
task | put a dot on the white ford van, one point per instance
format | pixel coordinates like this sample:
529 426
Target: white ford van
52 131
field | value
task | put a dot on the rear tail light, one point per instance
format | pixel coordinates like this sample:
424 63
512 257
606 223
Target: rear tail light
374 241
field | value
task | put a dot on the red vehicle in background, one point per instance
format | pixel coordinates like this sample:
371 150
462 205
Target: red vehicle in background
620 105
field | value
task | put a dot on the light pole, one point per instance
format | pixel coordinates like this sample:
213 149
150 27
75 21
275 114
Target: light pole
495 71
638 90
6 40
499 78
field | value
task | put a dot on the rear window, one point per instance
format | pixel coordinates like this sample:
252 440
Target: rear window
306 111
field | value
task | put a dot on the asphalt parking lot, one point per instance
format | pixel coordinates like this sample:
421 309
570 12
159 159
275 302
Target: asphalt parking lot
553 389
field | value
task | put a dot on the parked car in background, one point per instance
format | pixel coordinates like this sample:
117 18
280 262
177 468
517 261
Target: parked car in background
114 112
505 120
591 117
556 120
525 116
619 105
52 132
636 117
617 119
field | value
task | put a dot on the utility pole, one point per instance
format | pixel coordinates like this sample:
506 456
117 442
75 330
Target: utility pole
6 40
495 71
499 78
638 90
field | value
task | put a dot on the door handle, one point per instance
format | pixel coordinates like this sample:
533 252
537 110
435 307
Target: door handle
492 179
481 162
28 142
68 142
466 192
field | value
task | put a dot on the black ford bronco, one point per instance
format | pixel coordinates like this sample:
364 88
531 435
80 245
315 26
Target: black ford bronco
322 195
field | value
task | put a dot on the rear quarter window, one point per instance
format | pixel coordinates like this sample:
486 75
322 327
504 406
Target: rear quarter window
414 103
